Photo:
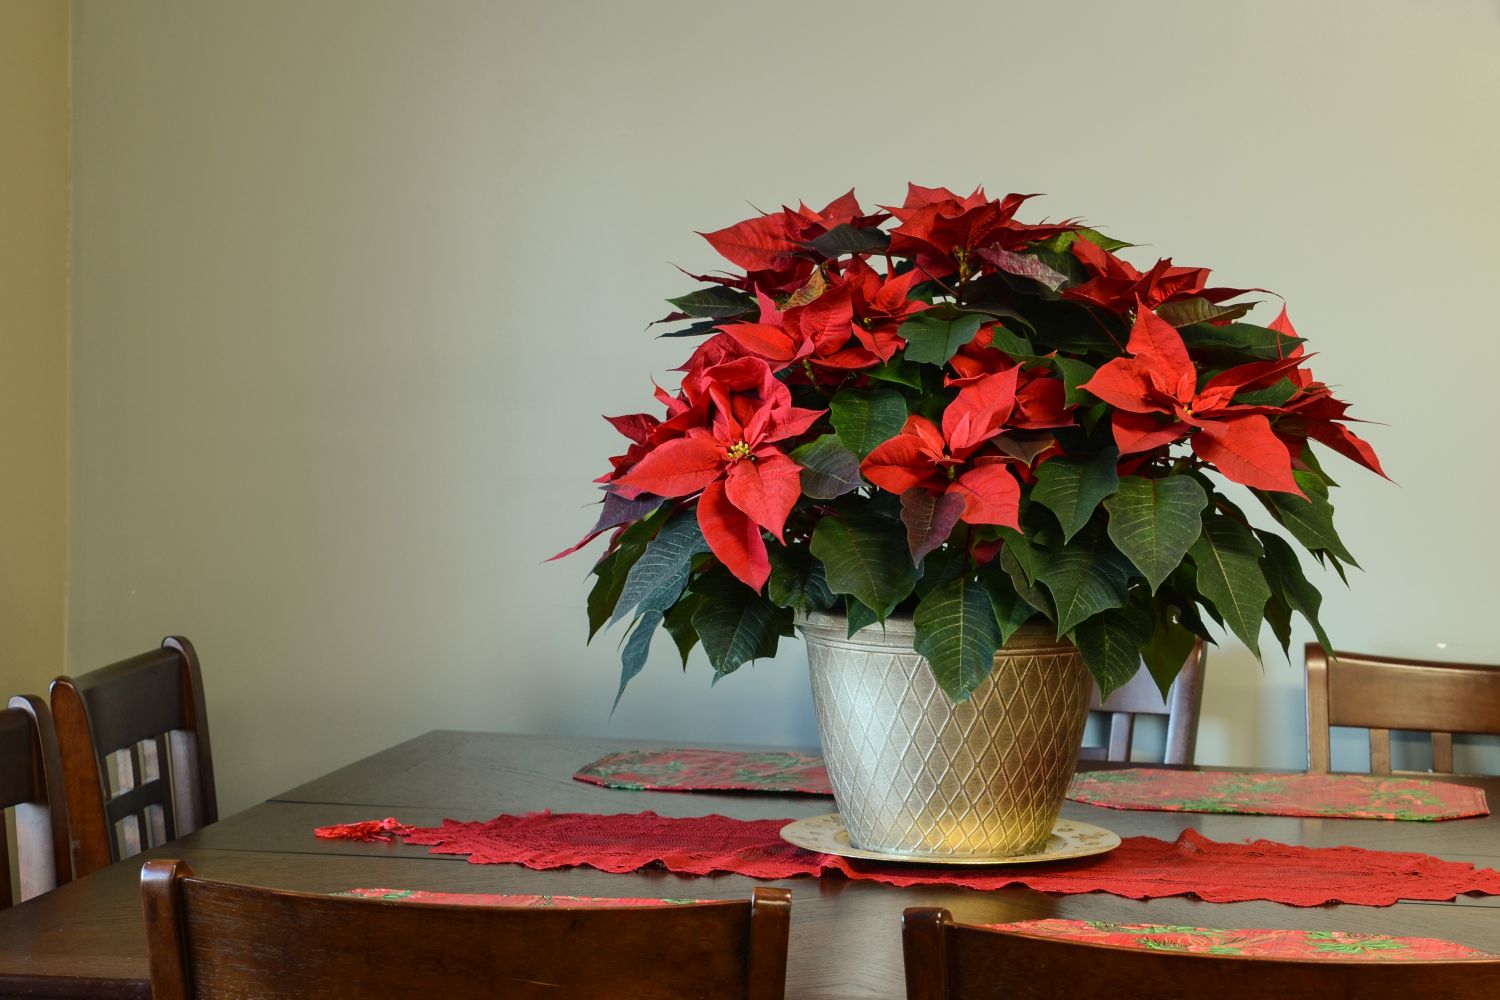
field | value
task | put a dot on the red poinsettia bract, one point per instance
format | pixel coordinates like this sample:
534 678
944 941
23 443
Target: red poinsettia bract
1157 401
943 460
1117 285
944 232
745 483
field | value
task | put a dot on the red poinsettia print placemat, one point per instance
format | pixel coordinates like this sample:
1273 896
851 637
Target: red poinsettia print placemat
687 770
1339 946
1344 796
511 899
1140 868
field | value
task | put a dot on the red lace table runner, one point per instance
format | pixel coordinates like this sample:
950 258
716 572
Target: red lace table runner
512 899
1141 868
686 770
1344 796
1331 945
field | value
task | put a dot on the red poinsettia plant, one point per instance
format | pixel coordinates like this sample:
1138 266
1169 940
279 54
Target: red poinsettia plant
938 410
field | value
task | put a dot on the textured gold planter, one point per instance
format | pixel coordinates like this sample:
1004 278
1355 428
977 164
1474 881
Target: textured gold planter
915 774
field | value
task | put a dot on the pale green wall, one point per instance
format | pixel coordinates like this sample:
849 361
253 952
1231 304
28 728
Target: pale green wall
33 342
354 281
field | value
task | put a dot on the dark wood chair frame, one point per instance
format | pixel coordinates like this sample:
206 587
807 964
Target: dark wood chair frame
1140 696
31 781
211 939
947 961
155 701
1382 693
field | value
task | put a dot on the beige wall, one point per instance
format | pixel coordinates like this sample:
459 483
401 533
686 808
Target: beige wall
33 341
354 280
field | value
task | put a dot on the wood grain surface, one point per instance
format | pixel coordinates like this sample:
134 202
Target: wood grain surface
86 938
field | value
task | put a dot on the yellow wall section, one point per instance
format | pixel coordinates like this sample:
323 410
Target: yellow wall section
33 341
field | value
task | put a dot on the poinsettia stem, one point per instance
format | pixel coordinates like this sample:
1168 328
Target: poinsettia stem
1107 331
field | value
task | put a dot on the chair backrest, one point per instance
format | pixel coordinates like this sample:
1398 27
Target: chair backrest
948 961
1381 693
209 940
135 753
31 781
1141 696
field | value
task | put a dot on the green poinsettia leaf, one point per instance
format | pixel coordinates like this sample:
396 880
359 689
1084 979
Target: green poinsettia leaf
1024 549
612 572
1086 576
1011 609
1154 521
1062 242
869 562
633 653
898 371
958 634
858 615
1027 589
867 418
698 329
1279 617
829 469
797 581
1279 393
1167 650
1017 347
716 302
933 336
1284 571
1309 520
1238 341
1074 373
735 624
844 239
941 566
1185 312
1111 644
1073 487
678 621
657 579
1227 562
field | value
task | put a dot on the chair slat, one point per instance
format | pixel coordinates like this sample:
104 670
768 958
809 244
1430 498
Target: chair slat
137 705
1380 751
1140 696
1442 752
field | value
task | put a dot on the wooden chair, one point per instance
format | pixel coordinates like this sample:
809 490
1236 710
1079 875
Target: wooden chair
1382 693
948 961
31 781
1140 696
209 940
135 754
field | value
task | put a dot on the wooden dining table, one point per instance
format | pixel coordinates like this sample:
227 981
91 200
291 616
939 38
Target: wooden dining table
85 939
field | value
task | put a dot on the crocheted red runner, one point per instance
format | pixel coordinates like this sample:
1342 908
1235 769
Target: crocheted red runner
1141 868
1332 945
1346 796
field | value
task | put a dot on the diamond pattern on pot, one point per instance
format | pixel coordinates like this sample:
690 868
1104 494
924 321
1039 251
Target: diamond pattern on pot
916 774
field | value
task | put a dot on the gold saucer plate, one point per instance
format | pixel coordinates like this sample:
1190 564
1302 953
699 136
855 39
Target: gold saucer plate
1070 839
